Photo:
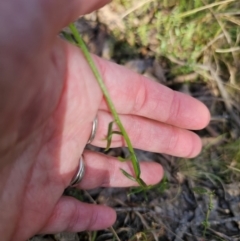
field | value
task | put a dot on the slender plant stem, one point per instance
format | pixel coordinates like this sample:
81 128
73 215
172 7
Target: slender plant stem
210 207
100 81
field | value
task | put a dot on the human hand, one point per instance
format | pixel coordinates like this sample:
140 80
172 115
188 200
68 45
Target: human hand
48 100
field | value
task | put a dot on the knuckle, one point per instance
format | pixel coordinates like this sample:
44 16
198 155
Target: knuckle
174 109
173 141
93 220
74 218
140 96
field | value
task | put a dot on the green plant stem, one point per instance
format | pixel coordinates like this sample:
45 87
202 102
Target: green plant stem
99 79
210 207
93 235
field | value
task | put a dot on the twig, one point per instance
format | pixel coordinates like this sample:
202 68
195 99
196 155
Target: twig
182 63
221 235
135 7
223 221
186 14
131 209
159 220
229 13
210 44
232 49
225 96
219 81
111 228
146 225
228 38
234 168
114 233
89 197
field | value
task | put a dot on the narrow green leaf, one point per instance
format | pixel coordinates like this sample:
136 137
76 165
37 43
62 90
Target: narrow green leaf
135 164
141 182
128 175
109 136
121 159
68 37
117 133
200 190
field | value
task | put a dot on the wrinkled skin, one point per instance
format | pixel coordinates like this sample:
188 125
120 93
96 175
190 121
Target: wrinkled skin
48 100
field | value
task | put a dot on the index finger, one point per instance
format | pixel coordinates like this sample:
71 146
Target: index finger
138 95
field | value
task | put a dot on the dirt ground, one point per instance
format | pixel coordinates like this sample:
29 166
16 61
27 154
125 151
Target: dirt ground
198 199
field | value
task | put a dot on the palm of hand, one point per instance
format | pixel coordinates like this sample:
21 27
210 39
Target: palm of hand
49 147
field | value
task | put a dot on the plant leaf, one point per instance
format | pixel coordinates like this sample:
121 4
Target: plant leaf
200 190
121 159
109 136
128 175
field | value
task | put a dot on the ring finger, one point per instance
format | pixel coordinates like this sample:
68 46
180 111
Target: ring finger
104 171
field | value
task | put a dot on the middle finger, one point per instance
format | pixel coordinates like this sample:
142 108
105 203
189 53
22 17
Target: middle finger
149 135
134 94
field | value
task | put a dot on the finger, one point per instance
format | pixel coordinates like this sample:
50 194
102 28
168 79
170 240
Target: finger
62 12
72 215
138 95
149 135
104 171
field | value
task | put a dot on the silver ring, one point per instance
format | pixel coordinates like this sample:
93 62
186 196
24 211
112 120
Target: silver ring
79 174
94 130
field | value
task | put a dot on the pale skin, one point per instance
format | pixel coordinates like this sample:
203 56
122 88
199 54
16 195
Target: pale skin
48 100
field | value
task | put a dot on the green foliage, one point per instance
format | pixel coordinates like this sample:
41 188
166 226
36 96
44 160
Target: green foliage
160 188
210 207
231 157
200 190
210 194
110 134
143 34
182 29
76 193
